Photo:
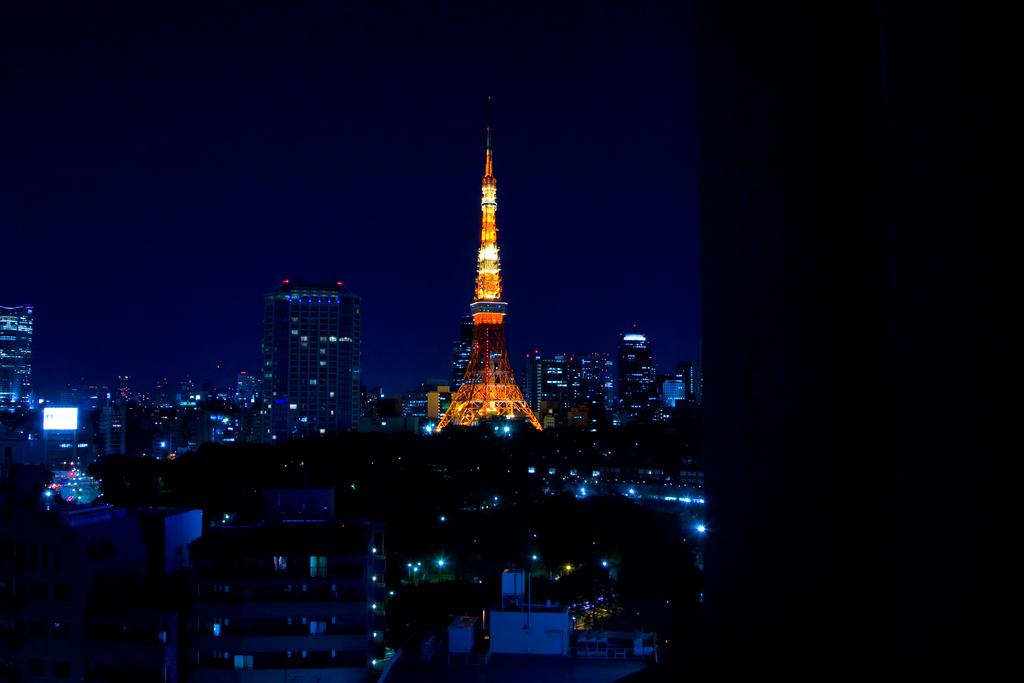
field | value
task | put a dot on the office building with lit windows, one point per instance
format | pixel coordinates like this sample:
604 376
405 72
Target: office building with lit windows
547 383
15 357
429 400
247 389
591 379
311 360
637 374
462 349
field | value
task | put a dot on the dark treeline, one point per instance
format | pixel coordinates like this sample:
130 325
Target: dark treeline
466 496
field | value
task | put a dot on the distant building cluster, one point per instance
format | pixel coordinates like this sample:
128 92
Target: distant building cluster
309 385
586 389
563 389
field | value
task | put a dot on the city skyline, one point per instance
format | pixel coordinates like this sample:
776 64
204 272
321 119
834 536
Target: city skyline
258 424
154 218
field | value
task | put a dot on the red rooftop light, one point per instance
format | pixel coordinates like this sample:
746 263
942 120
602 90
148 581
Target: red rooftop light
284 282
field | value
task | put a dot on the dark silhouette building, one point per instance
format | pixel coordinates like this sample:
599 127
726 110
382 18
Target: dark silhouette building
92 593
299 600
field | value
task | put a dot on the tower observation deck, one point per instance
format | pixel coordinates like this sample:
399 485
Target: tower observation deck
489 390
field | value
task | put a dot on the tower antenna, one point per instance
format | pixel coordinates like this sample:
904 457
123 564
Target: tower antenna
489 165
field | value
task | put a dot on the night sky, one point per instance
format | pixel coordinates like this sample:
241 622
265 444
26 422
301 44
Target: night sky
164 168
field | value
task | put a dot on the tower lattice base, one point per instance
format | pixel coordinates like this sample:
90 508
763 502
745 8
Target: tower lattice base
489 389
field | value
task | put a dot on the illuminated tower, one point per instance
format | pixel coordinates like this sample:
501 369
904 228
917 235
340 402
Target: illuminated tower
488 389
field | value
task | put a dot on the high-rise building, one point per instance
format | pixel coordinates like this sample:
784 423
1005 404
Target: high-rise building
15 357
637 395
489 390
689 372
247 389
162 395
591 379
124 389
547 383
311 360
462 349
112 424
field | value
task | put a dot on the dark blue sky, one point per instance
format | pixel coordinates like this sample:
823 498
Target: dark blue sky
163 169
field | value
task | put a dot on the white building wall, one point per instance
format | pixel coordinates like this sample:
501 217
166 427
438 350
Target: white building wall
538 633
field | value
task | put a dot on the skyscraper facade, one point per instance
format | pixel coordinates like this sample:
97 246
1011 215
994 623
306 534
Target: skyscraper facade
547 382
112 423
247 389
637 374
689 372
462 349
591 379
15 357
311 360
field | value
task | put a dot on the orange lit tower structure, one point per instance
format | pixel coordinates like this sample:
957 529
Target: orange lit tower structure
489 389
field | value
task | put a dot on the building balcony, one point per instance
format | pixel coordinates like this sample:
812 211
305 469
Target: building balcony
345 611
252 644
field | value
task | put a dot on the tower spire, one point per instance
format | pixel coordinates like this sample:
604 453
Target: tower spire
488 265
488 164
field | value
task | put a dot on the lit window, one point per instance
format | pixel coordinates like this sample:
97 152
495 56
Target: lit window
243 662
280 563
317 566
